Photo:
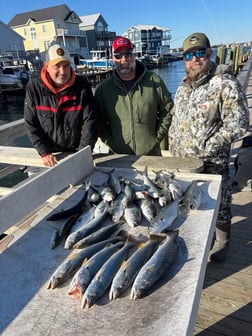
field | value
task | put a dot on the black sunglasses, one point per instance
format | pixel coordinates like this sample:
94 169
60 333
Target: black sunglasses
197 53
127 54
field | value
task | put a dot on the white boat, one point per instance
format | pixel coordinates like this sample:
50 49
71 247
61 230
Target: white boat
104 64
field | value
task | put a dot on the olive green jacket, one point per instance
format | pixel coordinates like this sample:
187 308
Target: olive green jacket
135 121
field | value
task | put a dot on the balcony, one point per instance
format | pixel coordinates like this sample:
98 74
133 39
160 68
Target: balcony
70 32
105 35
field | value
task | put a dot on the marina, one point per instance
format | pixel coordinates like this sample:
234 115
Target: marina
222 307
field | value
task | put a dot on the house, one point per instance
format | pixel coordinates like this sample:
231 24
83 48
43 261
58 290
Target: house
11 46
149 39
40 28
98 36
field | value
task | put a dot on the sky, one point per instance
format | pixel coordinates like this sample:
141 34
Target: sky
223 21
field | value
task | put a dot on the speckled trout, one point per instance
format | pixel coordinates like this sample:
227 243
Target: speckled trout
128 271
155 267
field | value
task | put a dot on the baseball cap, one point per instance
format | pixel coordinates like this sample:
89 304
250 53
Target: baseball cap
120 42
196 40
57 53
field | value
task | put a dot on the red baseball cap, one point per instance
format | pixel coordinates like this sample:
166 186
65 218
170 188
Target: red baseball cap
120 42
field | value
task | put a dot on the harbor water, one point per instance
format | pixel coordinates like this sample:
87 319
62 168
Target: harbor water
12 110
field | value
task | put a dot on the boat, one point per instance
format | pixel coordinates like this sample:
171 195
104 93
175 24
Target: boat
101 64
155 61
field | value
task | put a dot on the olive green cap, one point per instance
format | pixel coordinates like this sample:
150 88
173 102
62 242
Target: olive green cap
196 41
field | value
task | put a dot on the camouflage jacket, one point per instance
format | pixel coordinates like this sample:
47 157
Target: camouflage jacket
208 116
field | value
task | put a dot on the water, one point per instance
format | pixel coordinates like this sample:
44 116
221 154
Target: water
172 75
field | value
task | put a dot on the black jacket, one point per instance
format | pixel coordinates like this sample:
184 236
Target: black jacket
63 123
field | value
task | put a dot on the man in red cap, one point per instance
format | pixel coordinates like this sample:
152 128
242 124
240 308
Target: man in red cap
134 104
60 111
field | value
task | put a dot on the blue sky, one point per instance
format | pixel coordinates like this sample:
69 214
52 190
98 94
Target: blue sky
224 21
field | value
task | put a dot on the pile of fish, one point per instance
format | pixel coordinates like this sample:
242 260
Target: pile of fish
109 253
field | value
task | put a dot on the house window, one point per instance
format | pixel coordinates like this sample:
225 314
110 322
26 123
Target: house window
25 32
44 28
33 34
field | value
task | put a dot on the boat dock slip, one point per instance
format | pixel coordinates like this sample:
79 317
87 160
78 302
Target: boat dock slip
27 262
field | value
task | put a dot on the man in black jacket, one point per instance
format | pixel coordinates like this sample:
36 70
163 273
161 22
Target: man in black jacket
60 111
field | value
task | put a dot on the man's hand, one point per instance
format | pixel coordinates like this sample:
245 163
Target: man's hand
49 160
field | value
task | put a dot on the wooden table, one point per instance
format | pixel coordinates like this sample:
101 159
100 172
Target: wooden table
27 263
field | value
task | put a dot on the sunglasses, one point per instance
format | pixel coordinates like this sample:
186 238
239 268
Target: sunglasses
127 54
188 56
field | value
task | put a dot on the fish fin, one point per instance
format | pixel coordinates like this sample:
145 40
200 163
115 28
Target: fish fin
84 261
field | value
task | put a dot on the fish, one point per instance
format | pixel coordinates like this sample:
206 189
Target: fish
165 197
155 267
103 278
87 229
175 189
69 266
165 217
128 195
77 208
192 197
113 182
128 271
132 214
100 234
83 218
63 230
89 268
93 195
148 208
152 188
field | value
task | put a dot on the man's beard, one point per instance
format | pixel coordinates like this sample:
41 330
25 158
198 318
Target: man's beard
193 75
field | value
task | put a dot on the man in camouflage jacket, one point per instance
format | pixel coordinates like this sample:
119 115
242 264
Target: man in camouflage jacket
210 112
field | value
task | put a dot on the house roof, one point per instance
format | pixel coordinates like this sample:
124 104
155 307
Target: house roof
89 20
37 15
147 27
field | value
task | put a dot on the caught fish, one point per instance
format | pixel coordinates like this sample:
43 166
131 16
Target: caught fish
155 267
132 214
148 208
113 182
100 234
69 266
63 230
192 196
128 195
165 197
89 268
83 218
175 189
104 276
152 189
77 208
128 271
93 195
166 216
87 229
